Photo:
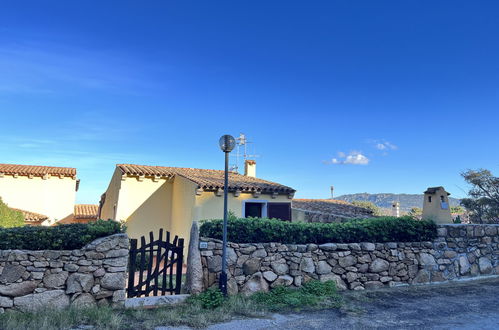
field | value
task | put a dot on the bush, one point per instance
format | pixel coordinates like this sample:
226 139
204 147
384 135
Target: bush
62 237
209 299
384 229
10 218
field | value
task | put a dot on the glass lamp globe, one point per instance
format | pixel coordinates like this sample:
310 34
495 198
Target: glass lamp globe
227 143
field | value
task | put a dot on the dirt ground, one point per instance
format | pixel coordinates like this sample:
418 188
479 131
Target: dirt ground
460 305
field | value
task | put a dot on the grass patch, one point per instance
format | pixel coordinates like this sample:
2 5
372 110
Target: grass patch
199 311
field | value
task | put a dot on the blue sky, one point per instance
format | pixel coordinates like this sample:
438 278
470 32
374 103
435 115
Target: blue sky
368 96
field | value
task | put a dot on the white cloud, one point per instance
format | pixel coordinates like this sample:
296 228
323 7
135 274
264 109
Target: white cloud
353 158
384 145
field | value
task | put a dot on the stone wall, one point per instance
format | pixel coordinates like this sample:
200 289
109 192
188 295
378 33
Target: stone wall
93 275
460 251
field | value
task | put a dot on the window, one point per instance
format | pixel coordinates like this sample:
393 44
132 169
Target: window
280 211
429 199
253 210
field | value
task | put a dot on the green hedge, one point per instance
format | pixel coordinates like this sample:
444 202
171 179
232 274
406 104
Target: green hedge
62 237
384 229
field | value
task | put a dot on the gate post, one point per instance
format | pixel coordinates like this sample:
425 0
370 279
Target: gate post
132 267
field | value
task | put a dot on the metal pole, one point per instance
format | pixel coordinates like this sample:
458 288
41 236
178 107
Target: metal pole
223 275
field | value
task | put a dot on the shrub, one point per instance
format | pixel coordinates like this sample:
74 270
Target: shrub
209 299
62 237
10 218
384 229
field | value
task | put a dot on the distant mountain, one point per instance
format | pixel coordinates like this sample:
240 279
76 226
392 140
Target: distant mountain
407 201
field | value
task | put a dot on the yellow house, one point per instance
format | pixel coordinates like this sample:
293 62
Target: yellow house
39 190
152 197
83 213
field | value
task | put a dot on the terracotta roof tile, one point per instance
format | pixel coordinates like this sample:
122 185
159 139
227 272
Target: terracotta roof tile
35 170
86 211
32 216
207 179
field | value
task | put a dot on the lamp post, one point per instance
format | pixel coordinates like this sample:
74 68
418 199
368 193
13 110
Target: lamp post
227 143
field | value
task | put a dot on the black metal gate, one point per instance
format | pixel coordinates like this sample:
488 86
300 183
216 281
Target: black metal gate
155 268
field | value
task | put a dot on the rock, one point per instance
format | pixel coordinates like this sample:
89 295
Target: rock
251 266
84 300
423 276
116 262
269 276
351 276
116 253
328 247
215 264
280 268
79 283
347 261
450 254
485 265
231 256
119 296
56 280
464 265
426 259
11 273
260 253
247 249
194 277
373 285
298 280
100 272
71 267
323 268
285 280
113 281
340 284
6 302
56 299
367 246
18 289
307 265
378 266
255 284
232 287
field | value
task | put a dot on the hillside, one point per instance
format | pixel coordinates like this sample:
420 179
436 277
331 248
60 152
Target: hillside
384 200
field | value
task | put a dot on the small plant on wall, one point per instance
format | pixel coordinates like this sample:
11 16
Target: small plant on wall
10 218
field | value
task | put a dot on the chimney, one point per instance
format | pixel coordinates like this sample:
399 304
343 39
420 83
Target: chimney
332 192
250 168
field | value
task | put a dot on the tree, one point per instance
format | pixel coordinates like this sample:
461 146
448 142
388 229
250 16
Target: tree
10 218
416 213
483 203
457 209
370 206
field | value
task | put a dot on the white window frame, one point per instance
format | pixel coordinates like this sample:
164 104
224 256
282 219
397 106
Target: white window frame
261 201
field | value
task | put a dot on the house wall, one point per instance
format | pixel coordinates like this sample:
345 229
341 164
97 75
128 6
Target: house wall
54 197
184 195
433 210
210 206
145 205
112 196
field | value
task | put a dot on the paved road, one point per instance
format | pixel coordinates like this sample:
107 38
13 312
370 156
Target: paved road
464 305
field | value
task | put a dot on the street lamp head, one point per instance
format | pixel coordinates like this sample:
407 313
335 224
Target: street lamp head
227 143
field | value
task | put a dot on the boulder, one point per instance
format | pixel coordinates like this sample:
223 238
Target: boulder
256 283
251 266
269 276
378 266
280 268
426 259
307 265
423 276
323 268
328 247
464 265
11 273
285 280
340 284
368 246
52 281
6 302
215 264
113 281
194 278
260 253
347 261
56 299
18 289
373 285
485 265
79 283
84 300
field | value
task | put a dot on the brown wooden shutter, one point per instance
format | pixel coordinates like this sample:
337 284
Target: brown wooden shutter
280 211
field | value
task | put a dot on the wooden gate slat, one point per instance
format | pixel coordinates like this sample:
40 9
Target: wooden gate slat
167 252
158 262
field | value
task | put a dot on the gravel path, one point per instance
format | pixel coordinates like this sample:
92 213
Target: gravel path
463 305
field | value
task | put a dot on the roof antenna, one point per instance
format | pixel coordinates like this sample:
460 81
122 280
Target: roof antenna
241 152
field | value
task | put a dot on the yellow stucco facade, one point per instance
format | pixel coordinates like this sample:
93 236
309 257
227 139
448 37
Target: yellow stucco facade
148 204
53 196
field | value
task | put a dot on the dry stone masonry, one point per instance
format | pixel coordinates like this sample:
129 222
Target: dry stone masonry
459 251
93 275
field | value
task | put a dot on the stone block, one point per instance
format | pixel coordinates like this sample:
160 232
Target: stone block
78 282
113 281
18 289
52 281
56 299
378 266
